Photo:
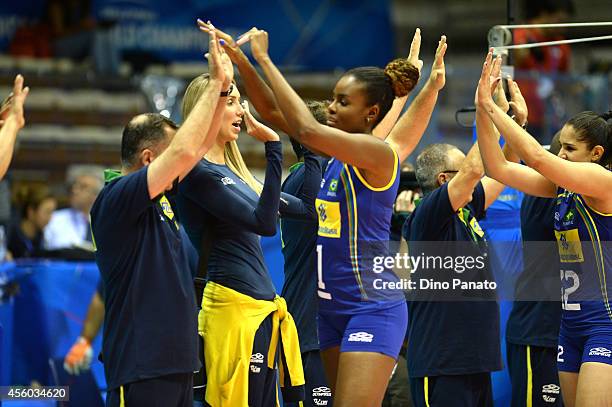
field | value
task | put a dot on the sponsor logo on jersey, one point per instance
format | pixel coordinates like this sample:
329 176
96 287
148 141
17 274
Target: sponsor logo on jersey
360 337
548 399
569 217
227 181
600 352
329 218
476 227
321 392
255 369
319 402
551 388
569 245
166 207
257 358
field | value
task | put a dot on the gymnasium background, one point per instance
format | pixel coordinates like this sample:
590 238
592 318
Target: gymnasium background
79 104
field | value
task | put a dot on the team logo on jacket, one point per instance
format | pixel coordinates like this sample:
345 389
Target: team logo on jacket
257 358
227 181
166 207
319 392
333 185
549 389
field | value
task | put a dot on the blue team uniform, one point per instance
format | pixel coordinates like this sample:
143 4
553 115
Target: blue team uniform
453 339
213 197
299 241
149 344
583 238
533 325
354 222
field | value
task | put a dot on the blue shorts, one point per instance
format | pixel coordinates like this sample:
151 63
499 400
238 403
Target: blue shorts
380 331
574 350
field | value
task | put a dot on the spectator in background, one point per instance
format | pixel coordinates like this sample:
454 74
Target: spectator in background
25 237
77 35
545 60
69 227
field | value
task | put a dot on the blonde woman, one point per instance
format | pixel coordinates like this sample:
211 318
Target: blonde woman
241 313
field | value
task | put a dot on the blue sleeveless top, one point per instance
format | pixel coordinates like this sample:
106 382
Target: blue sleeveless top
353 237
584 239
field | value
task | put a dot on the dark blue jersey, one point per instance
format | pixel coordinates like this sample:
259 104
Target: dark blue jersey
534 322
212 196
299 240
150 321
458 335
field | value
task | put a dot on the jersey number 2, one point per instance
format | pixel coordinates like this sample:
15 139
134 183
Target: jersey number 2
569 275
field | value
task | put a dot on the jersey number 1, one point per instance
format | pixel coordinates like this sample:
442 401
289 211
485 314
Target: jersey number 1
321 290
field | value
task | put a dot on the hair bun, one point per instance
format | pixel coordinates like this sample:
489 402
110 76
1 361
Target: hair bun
403 75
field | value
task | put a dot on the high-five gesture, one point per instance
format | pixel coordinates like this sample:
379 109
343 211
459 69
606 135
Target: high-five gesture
492 70
438 73
12 106
415 48
259 42
517 103
219 64
255 128
11 121
487 82
231 48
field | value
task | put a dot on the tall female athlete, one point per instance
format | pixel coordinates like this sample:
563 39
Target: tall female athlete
581 180
360 330
225 211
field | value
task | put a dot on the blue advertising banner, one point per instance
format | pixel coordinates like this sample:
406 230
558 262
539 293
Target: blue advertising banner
314 35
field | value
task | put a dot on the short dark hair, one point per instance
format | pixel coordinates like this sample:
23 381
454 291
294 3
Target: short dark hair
595 130
144 129
432 161
383 85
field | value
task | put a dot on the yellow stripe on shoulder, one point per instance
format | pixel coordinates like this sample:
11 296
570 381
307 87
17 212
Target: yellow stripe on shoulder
393 176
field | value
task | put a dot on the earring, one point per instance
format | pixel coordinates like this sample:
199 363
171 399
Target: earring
368 119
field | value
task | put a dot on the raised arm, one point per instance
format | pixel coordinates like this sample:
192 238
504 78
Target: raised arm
211 137
303 206
360 150
11 113
408 131
186 150
495 163
205 188
258 91
385 126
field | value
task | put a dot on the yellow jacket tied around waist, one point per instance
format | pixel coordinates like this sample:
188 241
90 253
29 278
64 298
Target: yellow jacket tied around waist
228 322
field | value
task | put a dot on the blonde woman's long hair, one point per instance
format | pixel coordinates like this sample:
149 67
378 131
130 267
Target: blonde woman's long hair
233 158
